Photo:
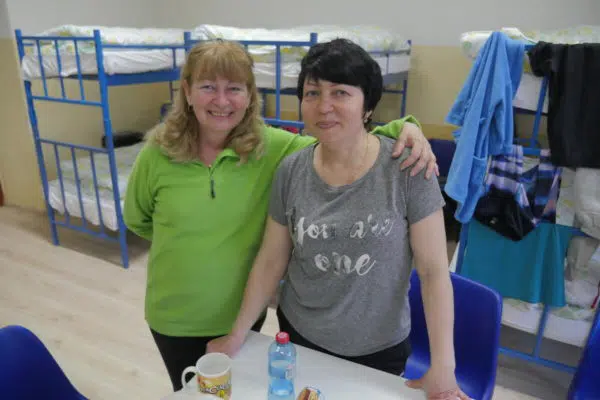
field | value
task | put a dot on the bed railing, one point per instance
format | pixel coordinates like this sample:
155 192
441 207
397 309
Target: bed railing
90 153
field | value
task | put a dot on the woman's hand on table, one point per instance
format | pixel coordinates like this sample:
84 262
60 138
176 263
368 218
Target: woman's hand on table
439 384
228 344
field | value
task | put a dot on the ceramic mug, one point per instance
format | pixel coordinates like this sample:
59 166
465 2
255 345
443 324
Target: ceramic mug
213 372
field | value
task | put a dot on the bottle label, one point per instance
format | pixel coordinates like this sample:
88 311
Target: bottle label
290 372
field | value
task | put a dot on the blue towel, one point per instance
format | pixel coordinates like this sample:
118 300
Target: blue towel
483 111
531 269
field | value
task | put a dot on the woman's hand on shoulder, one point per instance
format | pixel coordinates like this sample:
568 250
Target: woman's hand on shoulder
421 152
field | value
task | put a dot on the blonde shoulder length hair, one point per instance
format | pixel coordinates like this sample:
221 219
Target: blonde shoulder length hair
179 135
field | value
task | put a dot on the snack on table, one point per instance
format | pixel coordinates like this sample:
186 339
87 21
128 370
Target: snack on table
310 393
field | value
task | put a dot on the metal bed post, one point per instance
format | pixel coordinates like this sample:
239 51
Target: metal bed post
102 82
405 85
36 139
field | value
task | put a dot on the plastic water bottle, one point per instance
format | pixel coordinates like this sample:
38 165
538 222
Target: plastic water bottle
282 368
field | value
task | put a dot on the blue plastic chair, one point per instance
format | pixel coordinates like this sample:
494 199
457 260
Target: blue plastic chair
586 380
28 370
477 316
444 153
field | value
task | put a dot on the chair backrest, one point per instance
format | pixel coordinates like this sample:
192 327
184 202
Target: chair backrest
444 152
477 316
586 380
28 370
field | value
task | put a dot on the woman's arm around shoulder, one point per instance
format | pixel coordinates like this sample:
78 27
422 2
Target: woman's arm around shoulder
266 274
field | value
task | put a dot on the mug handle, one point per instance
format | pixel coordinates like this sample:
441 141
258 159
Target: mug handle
186 371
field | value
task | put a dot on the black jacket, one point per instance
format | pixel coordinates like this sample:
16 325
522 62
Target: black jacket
574 101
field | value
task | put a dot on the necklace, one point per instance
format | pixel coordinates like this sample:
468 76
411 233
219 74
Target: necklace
362 161
355 172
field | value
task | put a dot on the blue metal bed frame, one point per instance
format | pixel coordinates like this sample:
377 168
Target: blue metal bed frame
105 81
533 149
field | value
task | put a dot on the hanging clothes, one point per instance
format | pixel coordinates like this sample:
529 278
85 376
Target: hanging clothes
531 270
483 112
516 201
574 98
587 219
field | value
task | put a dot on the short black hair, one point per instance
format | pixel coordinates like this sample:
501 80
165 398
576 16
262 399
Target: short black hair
344 62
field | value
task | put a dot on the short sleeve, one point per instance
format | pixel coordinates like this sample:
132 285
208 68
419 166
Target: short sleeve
424 196
279 193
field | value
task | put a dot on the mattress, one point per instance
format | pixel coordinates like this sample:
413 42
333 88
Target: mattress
114 62
124 158
72 205
565 330
471 42
127 61
138 61
265 73
371 38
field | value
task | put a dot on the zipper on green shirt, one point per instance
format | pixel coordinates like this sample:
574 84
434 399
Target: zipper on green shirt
212 181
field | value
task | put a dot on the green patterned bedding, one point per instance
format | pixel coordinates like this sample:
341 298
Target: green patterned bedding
109 35
371 38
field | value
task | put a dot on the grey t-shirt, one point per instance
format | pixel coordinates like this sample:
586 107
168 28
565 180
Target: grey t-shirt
346 287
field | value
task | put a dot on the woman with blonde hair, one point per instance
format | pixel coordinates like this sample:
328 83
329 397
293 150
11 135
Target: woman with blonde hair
199 191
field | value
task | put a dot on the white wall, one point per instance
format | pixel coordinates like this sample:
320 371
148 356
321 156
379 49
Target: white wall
5 30
427 22
33 16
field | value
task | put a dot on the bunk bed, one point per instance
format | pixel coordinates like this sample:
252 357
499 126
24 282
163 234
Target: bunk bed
526 98
572 323
86 192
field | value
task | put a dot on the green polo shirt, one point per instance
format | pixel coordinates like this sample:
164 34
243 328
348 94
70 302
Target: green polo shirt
206 226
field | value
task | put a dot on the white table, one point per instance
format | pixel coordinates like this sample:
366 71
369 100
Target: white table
338 379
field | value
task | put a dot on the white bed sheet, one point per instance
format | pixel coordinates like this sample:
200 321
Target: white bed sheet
528 93
124 158
371 38
125 61
90 207
114 62
265 73
138 61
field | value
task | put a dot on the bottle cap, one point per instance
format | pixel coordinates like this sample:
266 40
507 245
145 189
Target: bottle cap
282 338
